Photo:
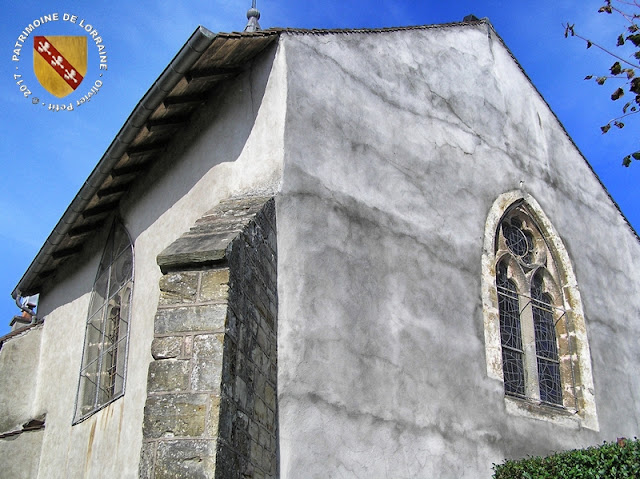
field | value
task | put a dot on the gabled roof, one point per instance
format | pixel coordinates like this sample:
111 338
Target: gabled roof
202 63
205 60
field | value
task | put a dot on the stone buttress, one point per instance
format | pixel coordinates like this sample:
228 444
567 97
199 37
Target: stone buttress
211 407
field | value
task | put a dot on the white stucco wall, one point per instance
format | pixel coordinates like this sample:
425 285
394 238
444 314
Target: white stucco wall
396 146
233 145
388 150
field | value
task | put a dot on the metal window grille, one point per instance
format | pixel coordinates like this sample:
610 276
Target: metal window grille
546 345
102 375
510 334
532 369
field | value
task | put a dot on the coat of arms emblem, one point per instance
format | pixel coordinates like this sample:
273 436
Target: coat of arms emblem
60 62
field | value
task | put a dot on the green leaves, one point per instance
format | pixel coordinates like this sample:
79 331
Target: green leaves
624 69
619 459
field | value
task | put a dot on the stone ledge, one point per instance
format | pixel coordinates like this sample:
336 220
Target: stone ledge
193 251
207 241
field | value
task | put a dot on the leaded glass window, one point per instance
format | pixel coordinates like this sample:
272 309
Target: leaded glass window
536 345
512 363
102 375
518 241
528 313
546 345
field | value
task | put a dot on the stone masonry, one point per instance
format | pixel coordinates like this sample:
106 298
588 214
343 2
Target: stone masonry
211 407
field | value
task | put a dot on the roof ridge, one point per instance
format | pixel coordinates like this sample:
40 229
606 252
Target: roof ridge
316 31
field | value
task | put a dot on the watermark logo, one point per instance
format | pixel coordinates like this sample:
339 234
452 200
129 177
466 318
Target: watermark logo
68 70
60 63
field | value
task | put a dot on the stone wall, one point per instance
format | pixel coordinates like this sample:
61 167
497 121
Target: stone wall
211 394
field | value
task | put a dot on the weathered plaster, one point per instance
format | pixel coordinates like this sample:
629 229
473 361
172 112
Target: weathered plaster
19 357
388 150
21 455
397 144
233 146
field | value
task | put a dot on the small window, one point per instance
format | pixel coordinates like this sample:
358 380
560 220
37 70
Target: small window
102 376
535 331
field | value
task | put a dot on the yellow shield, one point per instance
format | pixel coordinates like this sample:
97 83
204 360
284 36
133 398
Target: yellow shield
60 63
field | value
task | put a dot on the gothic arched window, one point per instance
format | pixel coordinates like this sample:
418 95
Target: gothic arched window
528 314
535 330
102 375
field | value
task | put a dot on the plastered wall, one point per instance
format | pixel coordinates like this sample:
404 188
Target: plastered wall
232 146
396 146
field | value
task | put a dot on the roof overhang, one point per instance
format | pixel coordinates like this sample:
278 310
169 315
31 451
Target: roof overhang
202 63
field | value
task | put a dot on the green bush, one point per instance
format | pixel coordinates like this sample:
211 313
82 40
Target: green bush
617 460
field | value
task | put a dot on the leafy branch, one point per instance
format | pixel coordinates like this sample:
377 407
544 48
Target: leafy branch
625 68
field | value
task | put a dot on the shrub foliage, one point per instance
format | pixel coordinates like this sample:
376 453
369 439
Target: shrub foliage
617 460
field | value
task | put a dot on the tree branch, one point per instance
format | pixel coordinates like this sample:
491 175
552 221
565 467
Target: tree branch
589 42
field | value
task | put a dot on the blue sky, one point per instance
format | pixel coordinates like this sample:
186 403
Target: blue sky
46 156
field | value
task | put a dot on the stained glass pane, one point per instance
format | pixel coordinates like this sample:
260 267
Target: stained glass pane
549 378
545 333
510 334
518 242
546 344
508 307
513 370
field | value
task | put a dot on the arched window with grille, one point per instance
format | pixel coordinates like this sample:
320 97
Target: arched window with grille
104 357
535 331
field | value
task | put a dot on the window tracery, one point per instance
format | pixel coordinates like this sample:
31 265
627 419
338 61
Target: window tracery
535 332
530 363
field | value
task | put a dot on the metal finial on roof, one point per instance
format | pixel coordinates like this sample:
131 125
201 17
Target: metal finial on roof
253 15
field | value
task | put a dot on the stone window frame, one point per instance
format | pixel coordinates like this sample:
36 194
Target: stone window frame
106 341
578 408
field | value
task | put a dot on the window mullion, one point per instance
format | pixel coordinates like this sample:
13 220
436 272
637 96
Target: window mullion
531 386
